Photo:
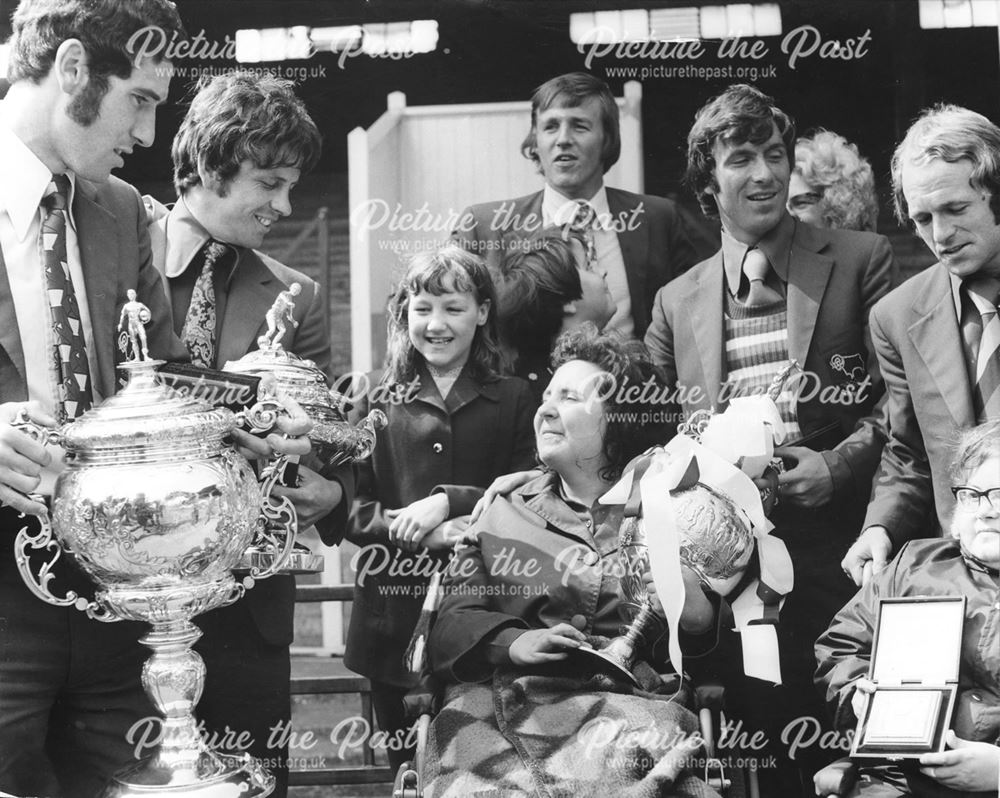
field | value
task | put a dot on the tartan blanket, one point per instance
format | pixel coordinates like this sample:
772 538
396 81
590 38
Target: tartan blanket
544 734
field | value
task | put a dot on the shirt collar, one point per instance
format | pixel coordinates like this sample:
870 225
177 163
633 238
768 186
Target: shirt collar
776 244
186 237
23 180
558 209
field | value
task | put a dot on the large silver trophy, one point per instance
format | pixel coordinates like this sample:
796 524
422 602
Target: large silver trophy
334 440
158 510
715 542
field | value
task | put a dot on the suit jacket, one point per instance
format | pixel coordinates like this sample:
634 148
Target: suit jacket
918 340
481 431
654 251
257 282
834 278
111 229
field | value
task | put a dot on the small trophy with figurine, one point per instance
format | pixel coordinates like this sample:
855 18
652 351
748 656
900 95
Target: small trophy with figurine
335 441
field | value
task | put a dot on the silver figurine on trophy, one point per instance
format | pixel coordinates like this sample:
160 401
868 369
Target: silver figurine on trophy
158 509
335 441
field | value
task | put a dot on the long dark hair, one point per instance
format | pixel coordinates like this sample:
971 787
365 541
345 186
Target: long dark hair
449 268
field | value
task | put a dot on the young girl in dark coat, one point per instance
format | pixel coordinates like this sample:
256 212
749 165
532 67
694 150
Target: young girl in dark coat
454 425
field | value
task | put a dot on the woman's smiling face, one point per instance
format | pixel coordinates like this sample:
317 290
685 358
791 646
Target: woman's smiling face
570 424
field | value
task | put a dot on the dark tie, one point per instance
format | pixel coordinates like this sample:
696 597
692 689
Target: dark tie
756 267
583 223
981 330
198 332
70 354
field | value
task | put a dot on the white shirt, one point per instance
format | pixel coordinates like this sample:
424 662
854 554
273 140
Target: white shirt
559 210
23 180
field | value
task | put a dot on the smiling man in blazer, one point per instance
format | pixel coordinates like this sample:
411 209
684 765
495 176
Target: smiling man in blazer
240 151
637 241
780 290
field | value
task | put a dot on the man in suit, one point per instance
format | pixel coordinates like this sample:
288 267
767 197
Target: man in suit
79 101
239 152
780 290
937 336
637 241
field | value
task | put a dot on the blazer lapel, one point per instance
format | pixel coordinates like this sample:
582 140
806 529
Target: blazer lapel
10 336
635 255
808 274
703 306
248 302
937 338
98 241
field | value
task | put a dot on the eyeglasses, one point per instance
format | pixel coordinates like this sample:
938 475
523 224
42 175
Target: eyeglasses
969 498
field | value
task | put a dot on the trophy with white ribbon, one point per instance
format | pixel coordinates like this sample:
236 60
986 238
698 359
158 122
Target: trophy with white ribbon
695 503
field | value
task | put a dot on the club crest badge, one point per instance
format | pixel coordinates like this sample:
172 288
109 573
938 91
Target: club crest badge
851 366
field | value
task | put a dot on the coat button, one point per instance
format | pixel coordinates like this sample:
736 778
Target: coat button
591 558
438 448
578 622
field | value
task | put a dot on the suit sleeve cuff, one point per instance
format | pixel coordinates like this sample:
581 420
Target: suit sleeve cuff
840 474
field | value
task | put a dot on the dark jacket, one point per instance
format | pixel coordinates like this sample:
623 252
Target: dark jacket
653 239
482 430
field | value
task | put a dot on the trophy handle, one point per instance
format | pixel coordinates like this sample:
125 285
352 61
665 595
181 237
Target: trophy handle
364 438
277 524
261 416
373 422
24 543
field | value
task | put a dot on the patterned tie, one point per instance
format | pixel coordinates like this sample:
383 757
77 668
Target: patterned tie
75 393
583 223
983 339
198 332
756 267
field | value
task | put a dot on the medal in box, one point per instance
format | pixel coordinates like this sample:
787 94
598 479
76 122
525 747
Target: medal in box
914 669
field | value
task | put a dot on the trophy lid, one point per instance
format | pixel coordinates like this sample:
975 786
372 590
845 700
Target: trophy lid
298 377
148 418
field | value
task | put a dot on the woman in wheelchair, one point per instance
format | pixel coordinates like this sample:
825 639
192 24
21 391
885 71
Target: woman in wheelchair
521 716
965 565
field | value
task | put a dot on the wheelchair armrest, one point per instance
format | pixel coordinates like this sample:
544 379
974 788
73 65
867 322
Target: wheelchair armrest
838 778
423 699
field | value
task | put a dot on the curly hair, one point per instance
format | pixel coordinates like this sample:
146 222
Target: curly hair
975 447
634 419
742 113
571 91
830 162
450 268
951 133
240 117
108 31
537 280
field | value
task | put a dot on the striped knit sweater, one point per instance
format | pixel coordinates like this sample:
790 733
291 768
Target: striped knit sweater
756 350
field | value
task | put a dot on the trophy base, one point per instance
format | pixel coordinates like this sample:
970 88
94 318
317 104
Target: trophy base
604 663
300 561
212 775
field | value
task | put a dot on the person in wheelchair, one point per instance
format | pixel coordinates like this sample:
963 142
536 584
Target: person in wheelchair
521 716
967 564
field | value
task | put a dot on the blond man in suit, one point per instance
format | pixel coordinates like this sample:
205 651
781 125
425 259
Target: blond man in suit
936 336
